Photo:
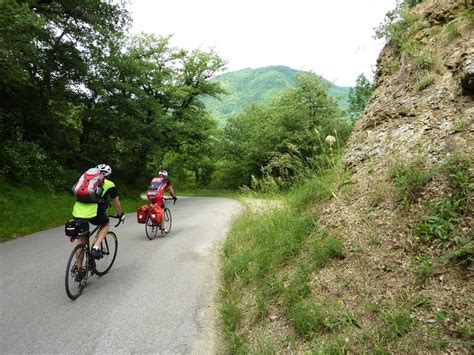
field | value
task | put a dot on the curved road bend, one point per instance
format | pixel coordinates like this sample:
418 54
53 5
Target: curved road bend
156 298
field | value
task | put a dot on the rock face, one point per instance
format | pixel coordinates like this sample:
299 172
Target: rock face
424 97
467 77
421 113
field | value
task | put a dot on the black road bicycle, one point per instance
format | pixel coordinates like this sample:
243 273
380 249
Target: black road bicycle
152 228
81 265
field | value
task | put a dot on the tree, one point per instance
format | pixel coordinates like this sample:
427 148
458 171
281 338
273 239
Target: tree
45 48
359 96
283 138
76 90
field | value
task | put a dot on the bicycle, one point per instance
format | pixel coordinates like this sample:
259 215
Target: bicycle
76 277
152 228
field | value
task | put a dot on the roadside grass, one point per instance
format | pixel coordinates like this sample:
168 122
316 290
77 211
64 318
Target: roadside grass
268 259
280 267
25 210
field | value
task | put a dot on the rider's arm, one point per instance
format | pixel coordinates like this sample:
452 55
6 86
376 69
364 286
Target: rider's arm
171 190
117 205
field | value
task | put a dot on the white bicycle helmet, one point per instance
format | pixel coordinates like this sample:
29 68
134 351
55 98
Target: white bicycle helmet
104 169
163 172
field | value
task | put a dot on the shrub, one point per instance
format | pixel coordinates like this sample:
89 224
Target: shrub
441 225
21 160
410 179
451 30
396 24
423 61
424 82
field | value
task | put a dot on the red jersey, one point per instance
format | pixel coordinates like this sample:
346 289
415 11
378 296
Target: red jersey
156 189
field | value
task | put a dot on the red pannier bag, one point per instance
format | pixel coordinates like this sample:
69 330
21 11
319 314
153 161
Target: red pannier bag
142 213
156 214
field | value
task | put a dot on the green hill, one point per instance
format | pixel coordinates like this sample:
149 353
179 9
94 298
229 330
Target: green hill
248 86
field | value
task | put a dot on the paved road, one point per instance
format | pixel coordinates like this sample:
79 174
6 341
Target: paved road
156 298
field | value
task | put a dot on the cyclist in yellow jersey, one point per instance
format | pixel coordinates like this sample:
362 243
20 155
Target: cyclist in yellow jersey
96 214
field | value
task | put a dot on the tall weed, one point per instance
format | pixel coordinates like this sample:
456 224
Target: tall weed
410 178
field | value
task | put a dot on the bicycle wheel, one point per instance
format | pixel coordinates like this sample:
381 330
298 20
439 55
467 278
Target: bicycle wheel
108 249
74 281
167 220
151 229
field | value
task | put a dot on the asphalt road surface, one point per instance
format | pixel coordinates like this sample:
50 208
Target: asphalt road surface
157 298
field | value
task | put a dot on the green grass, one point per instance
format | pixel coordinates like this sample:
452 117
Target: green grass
423 61
26 210
424 82
469 14
444 224
273 253
326 247
397 324
451 30
409 179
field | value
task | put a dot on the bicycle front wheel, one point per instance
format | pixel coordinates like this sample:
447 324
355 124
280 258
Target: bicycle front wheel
76 271
108 250
151 229
168 220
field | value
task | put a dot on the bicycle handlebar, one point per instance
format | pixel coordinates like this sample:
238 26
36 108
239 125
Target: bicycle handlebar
169 199
121 219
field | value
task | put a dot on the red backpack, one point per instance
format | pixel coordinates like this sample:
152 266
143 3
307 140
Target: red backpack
89 187
156 189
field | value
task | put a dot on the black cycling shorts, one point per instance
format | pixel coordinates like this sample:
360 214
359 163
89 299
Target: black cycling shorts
99 220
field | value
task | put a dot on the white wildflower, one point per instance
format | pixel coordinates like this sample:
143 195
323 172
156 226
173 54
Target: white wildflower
330 140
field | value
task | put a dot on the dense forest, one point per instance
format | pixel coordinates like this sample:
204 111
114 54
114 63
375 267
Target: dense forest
78 89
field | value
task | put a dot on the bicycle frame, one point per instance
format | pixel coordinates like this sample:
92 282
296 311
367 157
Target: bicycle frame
88 267
152 228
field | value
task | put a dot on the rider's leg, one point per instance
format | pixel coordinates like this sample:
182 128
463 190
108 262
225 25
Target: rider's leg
103 221
162 223
80 252
101 235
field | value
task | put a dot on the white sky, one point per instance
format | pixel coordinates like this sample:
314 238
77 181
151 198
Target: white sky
332 38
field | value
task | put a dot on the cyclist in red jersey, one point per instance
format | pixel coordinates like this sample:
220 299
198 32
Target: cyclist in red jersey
155 192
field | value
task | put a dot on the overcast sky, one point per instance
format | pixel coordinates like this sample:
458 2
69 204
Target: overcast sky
332 38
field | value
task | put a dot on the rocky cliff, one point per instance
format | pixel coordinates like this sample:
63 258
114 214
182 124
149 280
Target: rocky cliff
423 102
406 213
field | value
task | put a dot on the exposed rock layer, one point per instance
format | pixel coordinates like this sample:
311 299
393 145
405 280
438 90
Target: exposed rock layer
403 117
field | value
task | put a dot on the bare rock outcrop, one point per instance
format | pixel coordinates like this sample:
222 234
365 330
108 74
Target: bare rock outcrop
423 102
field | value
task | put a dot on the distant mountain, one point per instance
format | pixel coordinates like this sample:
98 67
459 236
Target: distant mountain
259 85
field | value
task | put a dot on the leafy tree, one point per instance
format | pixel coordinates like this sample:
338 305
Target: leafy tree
359 96
283 138
44 50
77 90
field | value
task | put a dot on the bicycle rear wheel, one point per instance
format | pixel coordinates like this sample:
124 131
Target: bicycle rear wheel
74 281
108 250
151 229
168 220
